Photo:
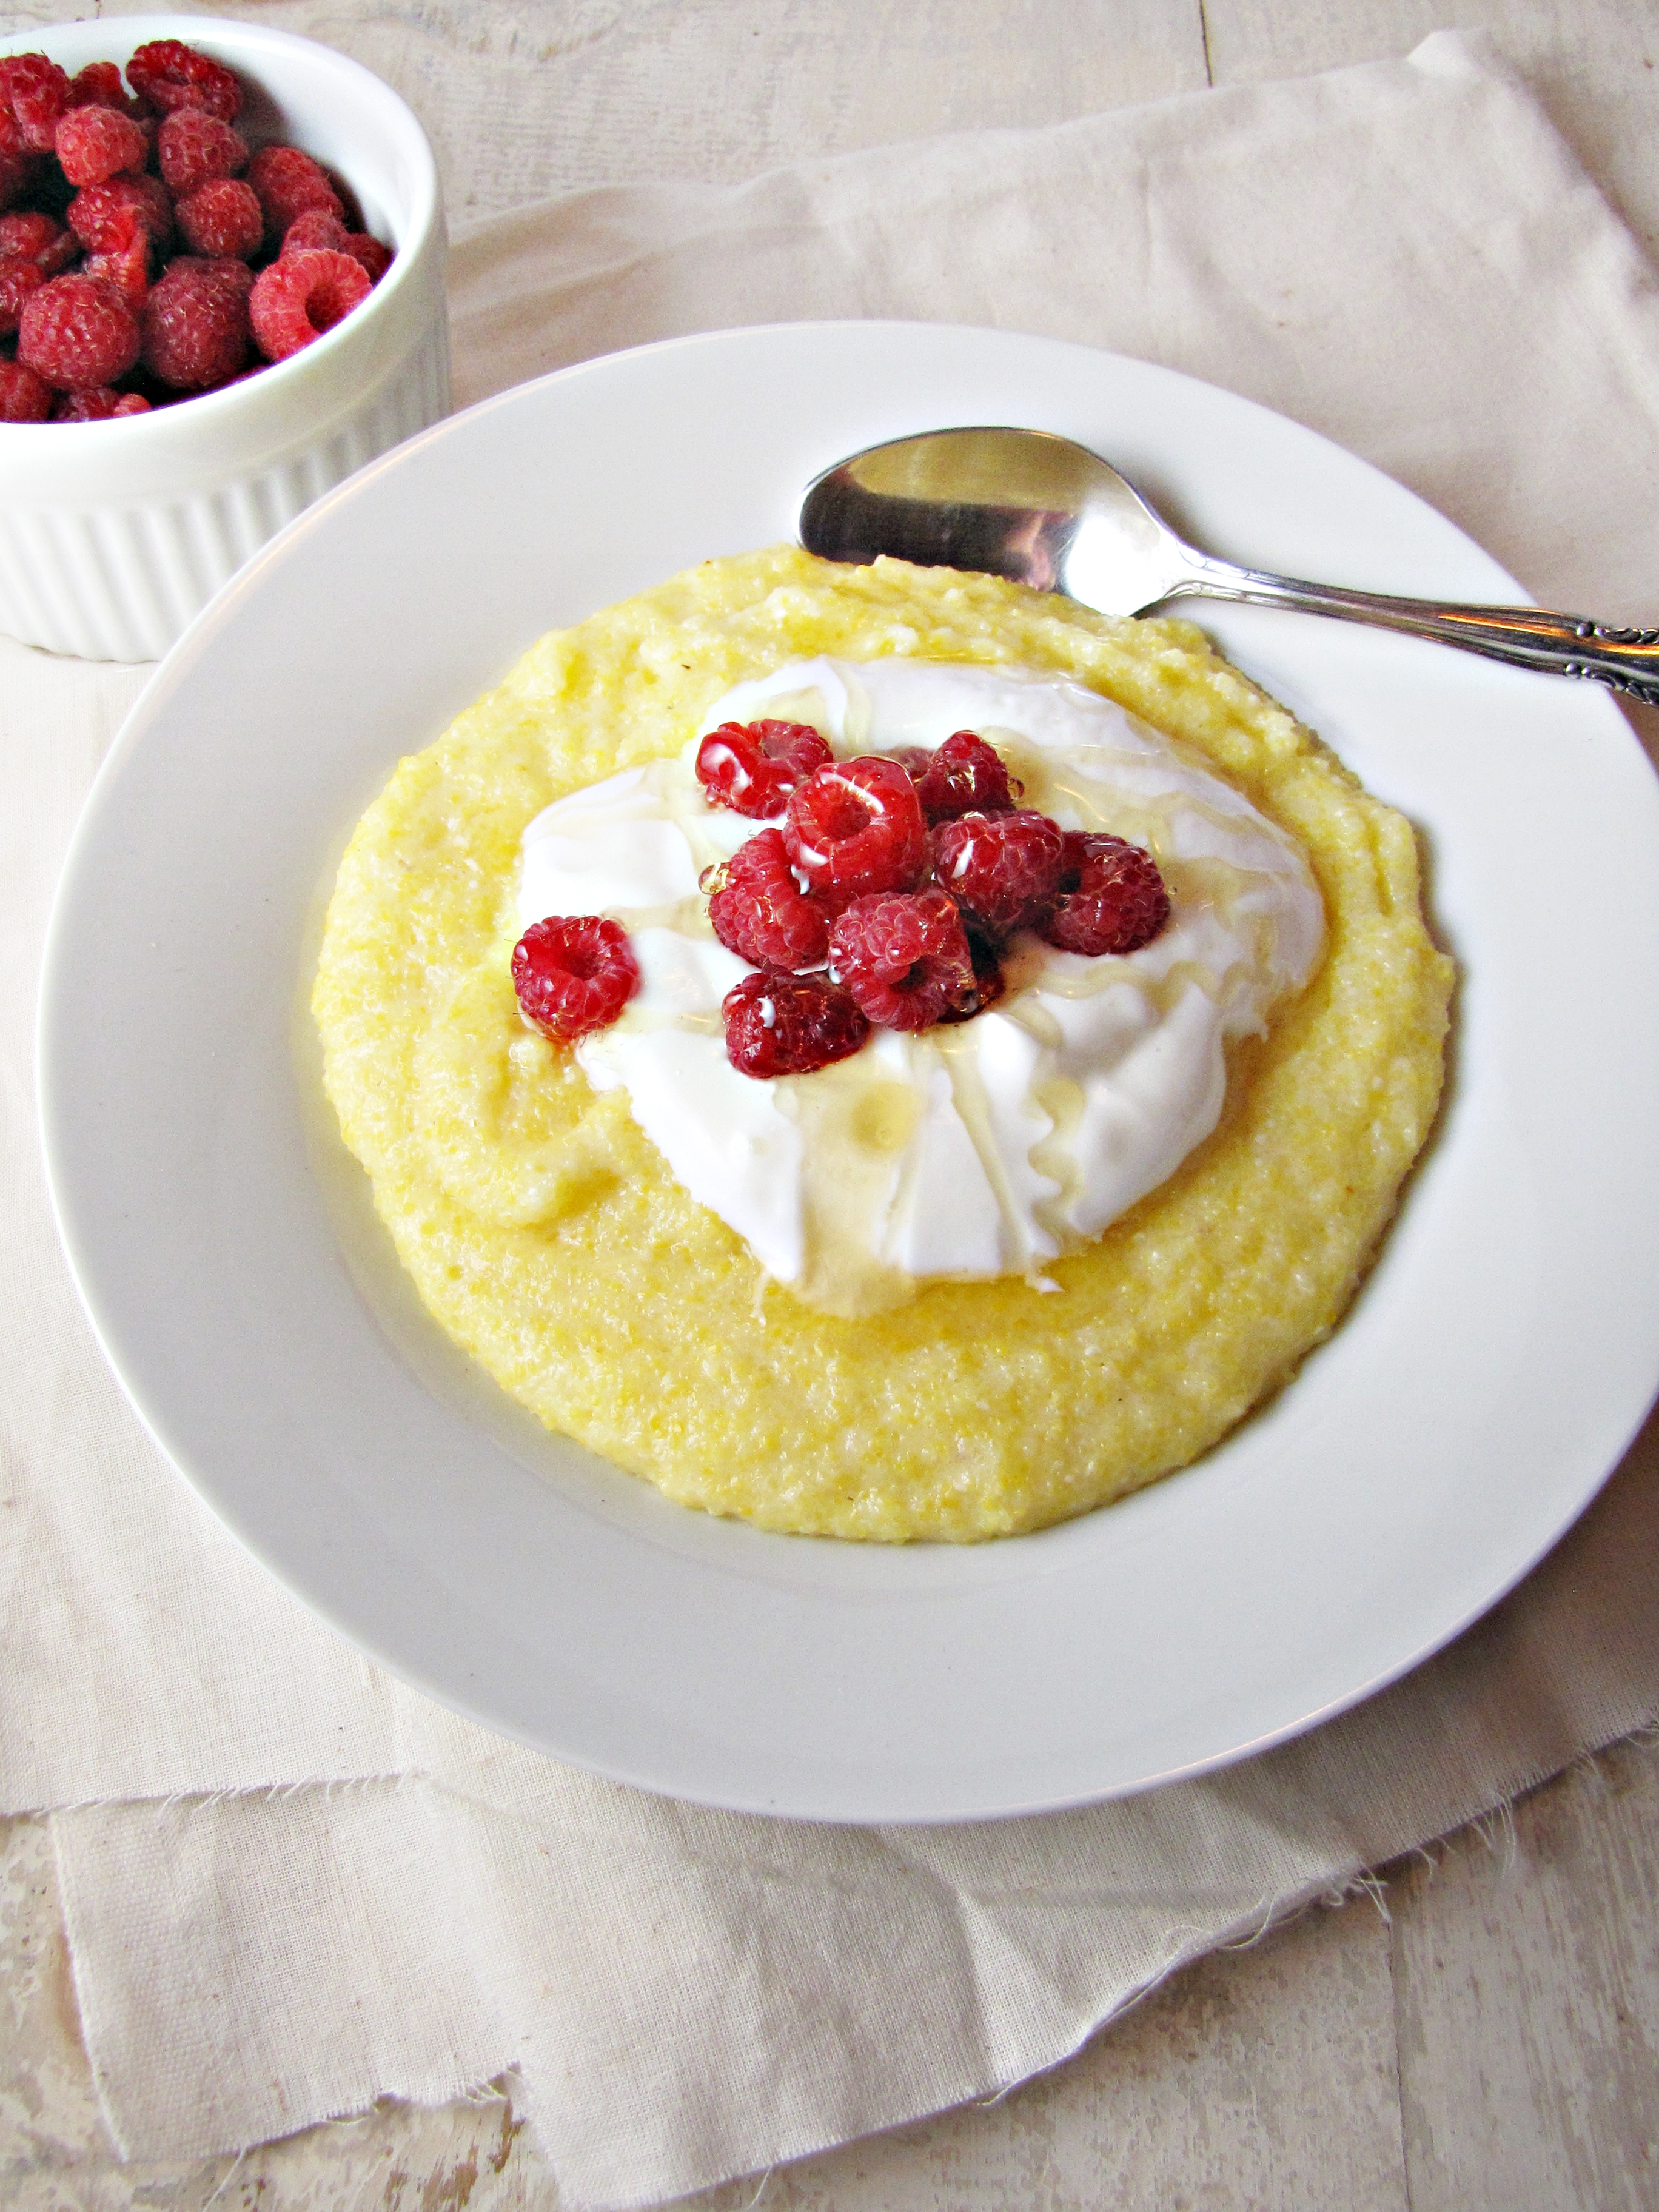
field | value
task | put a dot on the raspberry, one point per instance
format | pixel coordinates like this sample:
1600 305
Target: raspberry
856 827
75 331
96 143
97 405
965 776
761 912
302 296
25 234
289 184
39 240
19 277
573 975
904 958
59 253
127 268
194 149
789 1024
221 218
913 759
1004 869
24 397
169 74
752 767
316 228
376 258
36 93
195 322
98 85
103 217
1112 896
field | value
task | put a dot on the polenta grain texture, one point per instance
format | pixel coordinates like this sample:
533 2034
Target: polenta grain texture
545 1233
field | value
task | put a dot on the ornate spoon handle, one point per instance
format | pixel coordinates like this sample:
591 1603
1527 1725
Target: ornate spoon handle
1531 637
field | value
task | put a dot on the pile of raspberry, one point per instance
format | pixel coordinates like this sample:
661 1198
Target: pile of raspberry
147 253
885 895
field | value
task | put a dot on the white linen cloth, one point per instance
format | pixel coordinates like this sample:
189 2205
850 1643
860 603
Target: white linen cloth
292 1885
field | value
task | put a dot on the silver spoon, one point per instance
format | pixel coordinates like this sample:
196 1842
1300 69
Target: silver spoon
1048 513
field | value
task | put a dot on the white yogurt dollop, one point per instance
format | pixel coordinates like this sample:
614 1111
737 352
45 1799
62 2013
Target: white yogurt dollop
973 1150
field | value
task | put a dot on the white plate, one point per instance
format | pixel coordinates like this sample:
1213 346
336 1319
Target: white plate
1500 1358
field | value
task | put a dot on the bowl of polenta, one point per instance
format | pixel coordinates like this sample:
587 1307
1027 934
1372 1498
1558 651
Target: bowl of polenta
797 1303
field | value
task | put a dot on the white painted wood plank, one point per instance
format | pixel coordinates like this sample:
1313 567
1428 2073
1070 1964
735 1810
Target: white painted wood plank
1526 1968
48 2110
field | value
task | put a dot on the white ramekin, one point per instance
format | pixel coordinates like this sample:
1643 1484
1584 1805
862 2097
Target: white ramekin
113 535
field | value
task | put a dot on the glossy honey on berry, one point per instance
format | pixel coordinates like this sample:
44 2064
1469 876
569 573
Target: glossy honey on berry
545 1233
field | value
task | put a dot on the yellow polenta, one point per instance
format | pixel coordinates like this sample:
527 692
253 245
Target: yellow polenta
547 1235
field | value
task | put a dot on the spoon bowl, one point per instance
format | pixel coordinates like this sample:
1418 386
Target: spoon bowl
1048 513
1023 504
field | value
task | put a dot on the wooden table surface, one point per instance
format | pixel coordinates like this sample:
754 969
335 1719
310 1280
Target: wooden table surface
1483 2031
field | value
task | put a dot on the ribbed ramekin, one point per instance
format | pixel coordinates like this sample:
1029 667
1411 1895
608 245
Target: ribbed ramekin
113 535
